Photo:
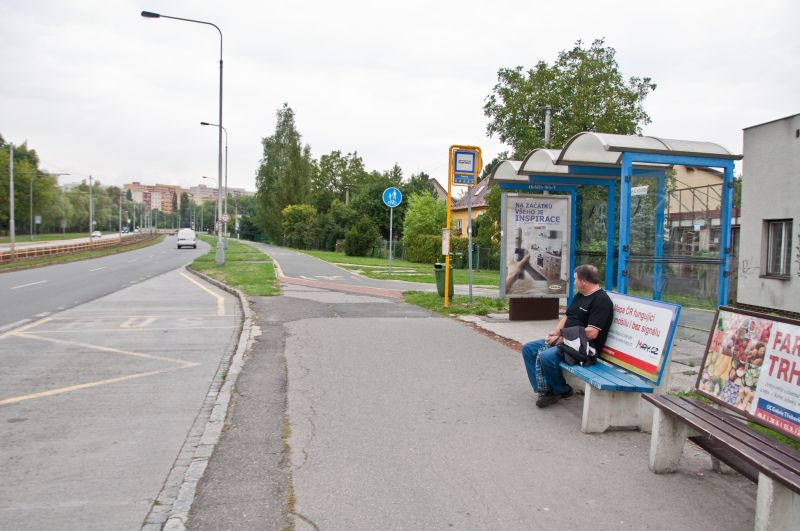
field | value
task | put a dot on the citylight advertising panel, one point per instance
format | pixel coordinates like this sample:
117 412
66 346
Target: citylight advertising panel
752 363
641 335
536 245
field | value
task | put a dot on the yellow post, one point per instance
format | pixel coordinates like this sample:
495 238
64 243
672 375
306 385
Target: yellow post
450 172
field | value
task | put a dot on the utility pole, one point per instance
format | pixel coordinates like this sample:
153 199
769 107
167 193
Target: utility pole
11 197
547 110
91 211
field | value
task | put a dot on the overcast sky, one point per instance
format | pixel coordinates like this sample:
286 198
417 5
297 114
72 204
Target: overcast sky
97 89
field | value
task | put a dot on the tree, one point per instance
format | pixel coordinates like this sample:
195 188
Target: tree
584 89
300 226
185 210
425 215
284 173
361 237
417 184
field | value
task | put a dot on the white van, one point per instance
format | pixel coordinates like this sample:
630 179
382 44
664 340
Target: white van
187 238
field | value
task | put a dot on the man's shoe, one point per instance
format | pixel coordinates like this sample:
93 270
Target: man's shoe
569 392
547 399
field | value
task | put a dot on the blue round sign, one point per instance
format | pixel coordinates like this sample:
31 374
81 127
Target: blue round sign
392 197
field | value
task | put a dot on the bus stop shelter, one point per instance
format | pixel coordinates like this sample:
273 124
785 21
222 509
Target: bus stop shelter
614 161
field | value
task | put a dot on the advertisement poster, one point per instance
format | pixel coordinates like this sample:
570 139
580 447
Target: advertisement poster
752 364
536 245
641 334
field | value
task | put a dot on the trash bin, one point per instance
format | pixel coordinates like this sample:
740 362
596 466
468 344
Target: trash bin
438 270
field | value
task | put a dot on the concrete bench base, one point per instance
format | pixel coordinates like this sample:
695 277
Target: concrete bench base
619 408
777 506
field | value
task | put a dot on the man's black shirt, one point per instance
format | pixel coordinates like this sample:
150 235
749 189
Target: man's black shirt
595 310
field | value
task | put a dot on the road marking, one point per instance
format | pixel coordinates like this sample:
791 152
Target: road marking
62 390
220 300
31 284
181 363
14 324
96 269
134 322
43 314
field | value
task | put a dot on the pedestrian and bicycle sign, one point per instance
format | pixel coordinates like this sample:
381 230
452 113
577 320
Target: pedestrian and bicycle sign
392 197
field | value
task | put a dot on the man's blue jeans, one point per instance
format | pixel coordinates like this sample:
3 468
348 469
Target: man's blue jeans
549 360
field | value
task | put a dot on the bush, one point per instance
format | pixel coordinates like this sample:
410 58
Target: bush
299 226
423 248
361 237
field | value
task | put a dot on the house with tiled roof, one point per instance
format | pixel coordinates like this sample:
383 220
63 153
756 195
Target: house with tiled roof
459 208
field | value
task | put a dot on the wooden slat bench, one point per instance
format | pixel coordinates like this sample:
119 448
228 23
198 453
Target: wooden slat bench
611 392
775 466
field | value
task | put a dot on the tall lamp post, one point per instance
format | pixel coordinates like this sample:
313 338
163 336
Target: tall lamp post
220 255
225 195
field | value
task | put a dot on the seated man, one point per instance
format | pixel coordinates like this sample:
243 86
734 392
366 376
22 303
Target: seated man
591 308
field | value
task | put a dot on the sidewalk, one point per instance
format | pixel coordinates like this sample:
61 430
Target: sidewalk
685 355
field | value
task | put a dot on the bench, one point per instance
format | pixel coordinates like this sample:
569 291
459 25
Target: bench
633 362
724 433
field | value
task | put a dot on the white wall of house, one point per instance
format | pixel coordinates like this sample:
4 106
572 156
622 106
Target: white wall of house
770 191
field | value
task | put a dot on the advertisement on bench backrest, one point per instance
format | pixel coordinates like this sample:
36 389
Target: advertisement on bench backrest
641 334
752 364
536 243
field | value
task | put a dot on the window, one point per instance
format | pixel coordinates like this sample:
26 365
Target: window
779 241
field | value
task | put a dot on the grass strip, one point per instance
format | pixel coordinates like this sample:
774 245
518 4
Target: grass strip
458 305
378 268
29 263
246 269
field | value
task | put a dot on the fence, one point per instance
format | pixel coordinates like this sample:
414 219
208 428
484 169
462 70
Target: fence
56 250
482 257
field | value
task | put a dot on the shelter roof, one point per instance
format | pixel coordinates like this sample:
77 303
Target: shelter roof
604 149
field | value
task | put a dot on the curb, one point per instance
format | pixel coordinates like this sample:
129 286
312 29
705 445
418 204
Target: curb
218 401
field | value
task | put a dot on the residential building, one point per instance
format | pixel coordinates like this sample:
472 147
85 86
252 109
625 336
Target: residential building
693 210
769 253
459 211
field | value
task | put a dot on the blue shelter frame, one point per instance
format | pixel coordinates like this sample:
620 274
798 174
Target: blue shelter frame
608 159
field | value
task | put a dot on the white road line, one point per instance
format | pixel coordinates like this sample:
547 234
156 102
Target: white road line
31 284
43 314
97 269
14 324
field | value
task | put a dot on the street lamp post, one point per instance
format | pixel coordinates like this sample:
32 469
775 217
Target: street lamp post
220 254
225 195
11 198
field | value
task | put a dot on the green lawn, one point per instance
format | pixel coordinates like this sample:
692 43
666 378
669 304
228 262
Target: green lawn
403 270
458 305
245 268
74 257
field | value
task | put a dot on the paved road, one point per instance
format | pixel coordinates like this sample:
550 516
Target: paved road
300 266
398 419
38 292
101 404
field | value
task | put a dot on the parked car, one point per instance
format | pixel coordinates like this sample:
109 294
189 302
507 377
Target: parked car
96 234
187 238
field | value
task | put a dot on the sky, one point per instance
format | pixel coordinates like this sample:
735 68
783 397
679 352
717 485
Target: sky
98 90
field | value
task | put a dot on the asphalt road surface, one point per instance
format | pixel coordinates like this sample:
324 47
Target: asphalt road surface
100 404
35 293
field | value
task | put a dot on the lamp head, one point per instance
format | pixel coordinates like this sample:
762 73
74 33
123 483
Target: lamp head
204 123
150 14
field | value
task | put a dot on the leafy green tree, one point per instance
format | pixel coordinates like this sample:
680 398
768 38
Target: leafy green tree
185 210
425 215
419 183
368 200
284 174
300 226
585 90
361 237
